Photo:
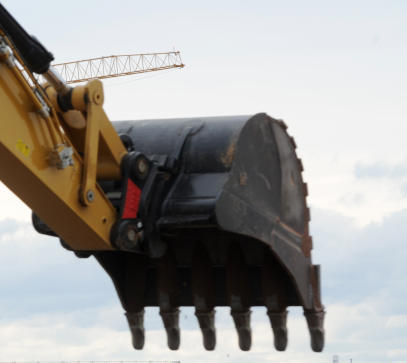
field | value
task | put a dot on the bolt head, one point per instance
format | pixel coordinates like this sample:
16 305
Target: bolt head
90 195
98 98
142 166
132 235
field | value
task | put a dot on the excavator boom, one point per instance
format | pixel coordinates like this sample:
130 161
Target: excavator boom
40 164
199 212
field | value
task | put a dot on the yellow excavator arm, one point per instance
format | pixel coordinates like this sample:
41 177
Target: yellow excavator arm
44 161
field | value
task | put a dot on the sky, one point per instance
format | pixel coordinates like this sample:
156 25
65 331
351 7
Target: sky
334 71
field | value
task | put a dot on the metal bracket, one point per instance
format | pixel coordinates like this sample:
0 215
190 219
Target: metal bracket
145 183
95 97
61 157
45 110
7 52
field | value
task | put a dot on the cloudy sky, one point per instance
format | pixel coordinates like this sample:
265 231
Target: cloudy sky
334 71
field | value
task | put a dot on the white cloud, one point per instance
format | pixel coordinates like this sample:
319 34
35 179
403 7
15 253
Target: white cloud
334 185
59 307
397 321
12 206
397 353
381 170
59 337
357 332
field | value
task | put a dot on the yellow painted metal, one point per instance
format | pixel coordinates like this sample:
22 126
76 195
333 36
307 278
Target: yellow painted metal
78 98
91 145
28 136
98 126
92 134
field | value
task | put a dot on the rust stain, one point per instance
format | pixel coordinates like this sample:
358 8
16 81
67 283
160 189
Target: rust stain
306 245
227 158
243 179
288 228
316 290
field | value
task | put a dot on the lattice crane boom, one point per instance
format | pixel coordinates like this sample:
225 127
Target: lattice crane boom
117 66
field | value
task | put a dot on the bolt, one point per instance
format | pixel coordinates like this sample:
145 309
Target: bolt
139 225
142 166
97 98
90 196
132 235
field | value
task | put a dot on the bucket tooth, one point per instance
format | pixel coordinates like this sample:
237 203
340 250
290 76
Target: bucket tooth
136 325
244 332
300 165
278 321
239 295
307 214
171 325
282 124
207 324
203 295
292 141
274 294
315 321
167 284
305 189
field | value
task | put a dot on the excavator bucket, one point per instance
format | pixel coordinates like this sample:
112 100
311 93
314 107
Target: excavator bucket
226 226
212 212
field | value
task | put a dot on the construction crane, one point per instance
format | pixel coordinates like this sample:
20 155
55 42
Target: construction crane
117 66
199 212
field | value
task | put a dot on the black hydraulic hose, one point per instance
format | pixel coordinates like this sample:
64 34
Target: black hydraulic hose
35 55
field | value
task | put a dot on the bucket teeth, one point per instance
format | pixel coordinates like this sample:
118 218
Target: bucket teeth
202 281
238 287
203 295
292 141
315 321
167 298
274 293
307 214
300 165
244 332
305 189
282 124
207 324
171 325
279 325
136 325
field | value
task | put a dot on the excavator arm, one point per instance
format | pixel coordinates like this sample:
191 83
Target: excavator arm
199 212
44 168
